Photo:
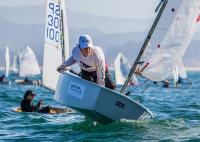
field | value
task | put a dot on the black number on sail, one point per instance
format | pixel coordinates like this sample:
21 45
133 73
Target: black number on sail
53 23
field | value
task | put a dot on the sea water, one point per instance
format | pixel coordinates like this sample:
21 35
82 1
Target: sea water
176 116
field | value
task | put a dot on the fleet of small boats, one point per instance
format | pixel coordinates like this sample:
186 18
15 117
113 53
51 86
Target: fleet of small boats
159 59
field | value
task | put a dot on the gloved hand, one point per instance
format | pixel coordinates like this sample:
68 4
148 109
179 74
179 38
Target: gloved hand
61 68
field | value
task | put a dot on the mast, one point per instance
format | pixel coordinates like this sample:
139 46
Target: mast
133 69
62 35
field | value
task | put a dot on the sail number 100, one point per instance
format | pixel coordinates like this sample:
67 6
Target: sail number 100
53 19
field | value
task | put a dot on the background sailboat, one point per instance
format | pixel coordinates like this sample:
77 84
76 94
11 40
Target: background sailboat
122 68
28 66
3 78
180 74
7 62
15 65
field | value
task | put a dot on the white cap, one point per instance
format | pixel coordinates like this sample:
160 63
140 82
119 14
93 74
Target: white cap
85 41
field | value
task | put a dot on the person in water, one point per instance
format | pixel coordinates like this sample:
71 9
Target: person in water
28 106
2 78
26 79
166 84
91 60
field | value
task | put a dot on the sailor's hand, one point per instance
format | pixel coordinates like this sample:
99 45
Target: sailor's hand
61 68
138 72
41 101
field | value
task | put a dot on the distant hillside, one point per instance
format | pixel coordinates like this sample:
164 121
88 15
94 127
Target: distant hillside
115 36
36 15
18 36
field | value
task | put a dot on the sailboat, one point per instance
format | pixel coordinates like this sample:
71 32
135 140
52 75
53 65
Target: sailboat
170 40
167 41
7 62
56 46
179 74
122 68
55 41
28 67
15 65
7 68
96 102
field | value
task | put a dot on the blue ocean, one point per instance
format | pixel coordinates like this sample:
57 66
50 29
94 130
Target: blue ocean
176 116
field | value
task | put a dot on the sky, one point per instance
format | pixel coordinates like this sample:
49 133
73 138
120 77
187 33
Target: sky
112 8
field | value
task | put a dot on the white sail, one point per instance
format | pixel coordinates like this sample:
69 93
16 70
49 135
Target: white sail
15 64
182 70
7 62
122 68
176 74
179 72
53 42
28 65
171 38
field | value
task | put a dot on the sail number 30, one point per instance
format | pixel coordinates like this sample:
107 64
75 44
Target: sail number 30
53 22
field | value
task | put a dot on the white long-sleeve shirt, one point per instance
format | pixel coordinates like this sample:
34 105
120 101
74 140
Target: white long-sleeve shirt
95 61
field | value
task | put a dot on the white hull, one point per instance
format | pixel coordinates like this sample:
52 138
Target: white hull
99 104
31 82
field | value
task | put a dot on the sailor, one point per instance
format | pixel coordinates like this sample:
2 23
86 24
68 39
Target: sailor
180 80
91 60
28 106
27 80
2 78
166 84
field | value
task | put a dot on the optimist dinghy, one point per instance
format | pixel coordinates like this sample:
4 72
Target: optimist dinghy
7 62
7 67
104 105
98 103
15 65
28 66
